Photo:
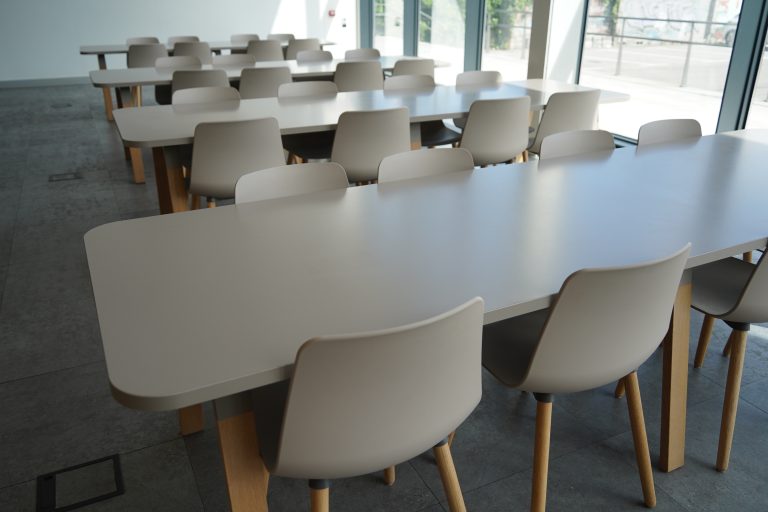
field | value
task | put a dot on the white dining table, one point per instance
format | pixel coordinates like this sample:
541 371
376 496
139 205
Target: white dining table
184 322
165 128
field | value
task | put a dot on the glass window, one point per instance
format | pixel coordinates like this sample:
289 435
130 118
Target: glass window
506 37
671 58
388 26
441 36
757 117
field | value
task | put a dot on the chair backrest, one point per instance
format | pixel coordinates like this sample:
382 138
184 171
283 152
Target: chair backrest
195 49
360 402
424 162
188 78
567 111
263 82
244 38
359 76
409 83
362 54
282 38
577 142
181 39
289 180
186 62
478 79
752 306
225 151
141 40
145 55
311 89
213 94
414 67
314 56
668 130
301 45
265 50
604 324
496 130
364 138
234 60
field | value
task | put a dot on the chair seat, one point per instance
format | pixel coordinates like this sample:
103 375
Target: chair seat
717 286
435 133
509 345
313 146
269 408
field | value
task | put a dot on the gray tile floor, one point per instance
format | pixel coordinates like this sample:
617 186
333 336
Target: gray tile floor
56 409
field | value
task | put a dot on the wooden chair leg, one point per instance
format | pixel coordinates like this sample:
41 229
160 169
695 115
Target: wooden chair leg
727 347
620 389
706 333
747 256
450 438
211 202
448 475
525 155
640 438
389 475
195 202
541 452
731 401
319 491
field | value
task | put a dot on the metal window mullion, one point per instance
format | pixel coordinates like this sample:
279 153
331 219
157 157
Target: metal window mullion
473 34
411 27
365 22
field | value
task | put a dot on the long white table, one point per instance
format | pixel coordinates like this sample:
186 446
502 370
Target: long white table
163 127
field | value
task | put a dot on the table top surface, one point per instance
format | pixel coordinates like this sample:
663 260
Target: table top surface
128 77
106 49
170 125
200 305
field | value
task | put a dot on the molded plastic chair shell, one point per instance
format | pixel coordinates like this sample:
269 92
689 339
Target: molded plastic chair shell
414 67
185 79
223 152
567 111
346 415
197 49
145 55
365 138
313 56
212 94
578 142
603 325
362 54
478 79
496 130
424 162
668 130
283 38
263 82
359 76
409 83
187 63
244 38
311 89
290 180
181 39
141 40
301 45
265 50
235 60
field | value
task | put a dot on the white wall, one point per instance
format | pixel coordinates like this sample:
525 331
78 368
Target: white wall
41 38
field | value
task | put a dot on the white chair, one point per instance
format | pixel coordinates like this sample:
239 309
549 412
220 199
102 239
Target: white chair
186 79
198 95
475 80
604 324
362 54
575 143
289 180
308 146
363 139
300 45
566 111
181 39
414 67
424 162
496 130
313 56
265 50
668 130
195 49
223 152
141 40
263 82
163 93
409 83
144 55
234 60
328 422
282 38
244 38
359 76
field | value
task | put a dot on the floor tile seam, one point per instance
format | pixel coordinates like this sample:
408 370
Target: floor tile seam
42 374
424 482
197 480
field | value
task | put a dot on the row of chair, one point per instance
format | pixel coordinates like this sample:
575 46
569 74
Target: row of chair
235 38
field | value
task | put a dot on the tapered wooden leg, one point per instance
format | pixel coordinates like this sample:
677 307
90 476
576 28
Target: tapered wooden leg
191 420
642 454
727 347
731 401
211 203
319 499
620 389
389 475
706 333
448 476
675 382
525 155
195 202
137 165
450 438
747 256
105 90
541 456
171 193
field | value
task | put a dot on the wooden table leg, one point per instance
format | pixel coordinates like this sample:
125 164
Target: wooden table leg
247 477
675 381
191 420
137 161
105 90
171 193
